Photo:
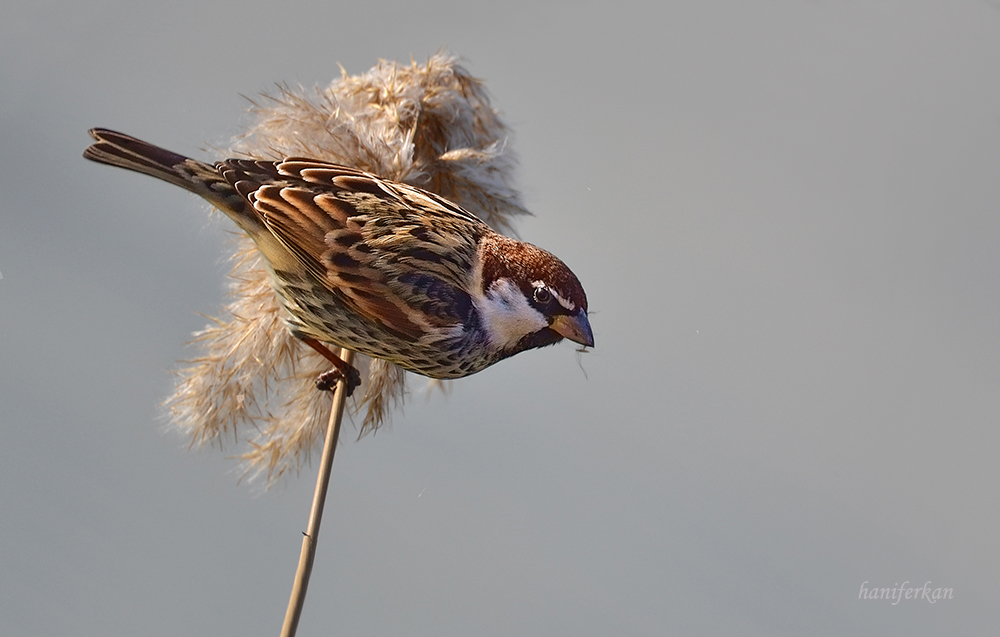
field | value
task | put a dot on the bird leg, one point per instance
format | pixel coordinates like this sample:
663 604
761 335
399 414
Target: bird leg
341 370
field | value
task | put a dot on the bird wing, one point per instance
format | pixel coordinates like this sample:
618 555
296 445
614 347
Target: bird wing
393 254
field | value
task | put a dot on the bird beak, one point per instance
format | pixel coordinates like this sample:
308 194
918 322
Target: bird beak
576 328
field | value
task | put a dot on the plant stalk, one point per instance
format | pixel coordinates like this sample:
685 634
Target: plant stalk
311 536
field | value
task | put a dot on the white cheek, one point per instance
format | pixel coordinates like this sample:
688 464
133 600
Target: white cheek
506 314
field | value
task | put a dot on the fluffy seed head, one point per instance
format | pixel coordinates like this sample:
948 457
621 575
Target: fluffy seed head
430 125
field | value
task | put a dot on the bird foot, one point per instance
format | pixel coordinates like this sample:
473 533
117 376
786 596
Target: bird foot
341 369
327 381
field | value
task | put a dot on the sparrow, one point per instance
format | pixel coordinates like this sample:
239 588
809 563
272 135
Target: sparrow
378 267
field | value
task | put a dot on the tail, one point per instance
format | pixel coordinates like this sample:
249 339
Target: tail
204 180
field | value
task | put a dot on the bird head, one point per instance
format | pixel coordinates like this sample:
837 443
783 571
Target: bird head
528 298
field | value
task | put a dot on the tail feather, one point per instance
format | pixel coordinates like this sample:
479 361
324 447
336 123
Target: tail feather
204 180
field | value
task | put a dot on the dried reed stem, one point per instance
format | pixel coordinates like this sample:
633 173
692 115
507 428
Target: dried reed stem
311 537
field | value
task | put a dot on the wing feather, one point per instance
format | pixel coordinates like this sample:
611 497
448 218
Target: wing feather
395 255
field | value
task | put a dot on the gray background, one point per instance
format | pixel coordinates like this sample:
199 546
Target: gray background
785 216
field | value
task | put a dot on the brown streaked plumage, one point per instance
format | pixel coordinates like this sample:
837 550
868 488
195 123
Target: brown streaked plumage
379 267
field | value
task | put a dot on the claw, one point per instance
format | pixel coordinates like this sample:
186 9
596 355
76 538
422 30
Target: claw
341 371
327 381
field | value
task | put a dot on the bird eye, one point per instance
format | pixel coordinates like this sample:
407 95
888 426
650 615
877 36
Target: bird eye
542 295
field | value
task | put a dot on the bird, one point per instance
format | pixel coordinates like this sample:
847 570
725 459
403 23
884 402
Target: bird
377 266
